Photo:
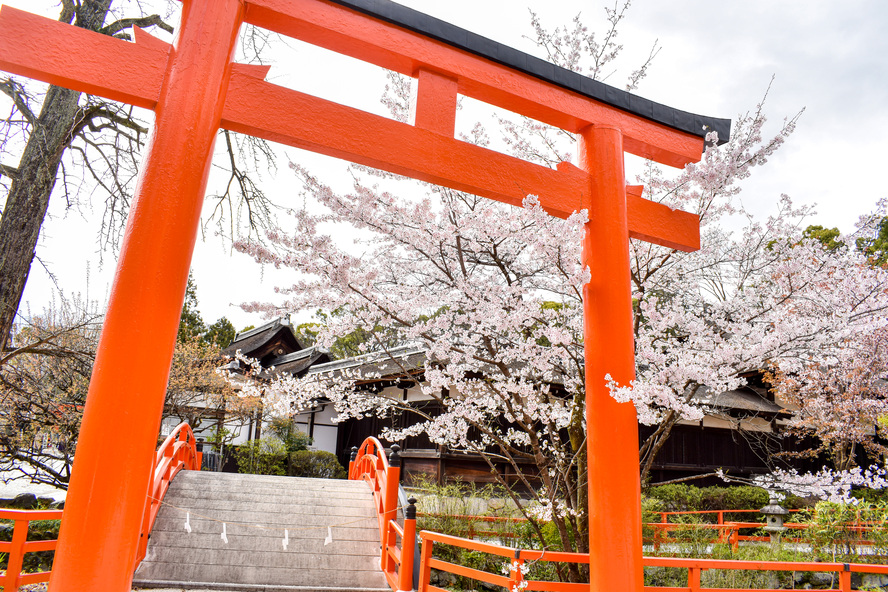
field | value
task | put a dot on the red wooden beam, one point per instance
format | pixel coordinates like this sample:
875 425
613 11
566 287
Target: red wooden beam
290 117
265 110
41 48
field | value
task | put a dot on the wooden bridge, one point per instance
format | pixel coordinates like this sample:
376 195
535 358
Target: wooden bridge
234 532
282 533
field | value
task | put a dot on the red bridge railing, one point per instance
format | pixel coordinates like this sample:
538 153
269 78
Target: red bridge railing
178 452
369 463
12 578
517 558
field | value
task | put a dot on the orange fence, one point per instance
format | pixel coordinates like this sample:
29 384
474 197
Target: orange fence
178 452
370 464
12 578
518 557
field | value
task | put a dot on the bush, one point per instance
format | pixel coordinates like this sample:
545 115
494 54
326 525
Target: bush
266 456
678 497
315 463
836 531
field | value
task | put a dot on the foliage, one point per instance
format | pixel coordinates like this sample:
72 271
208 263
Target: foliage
318 464
828 237
835 532
265 456
192 326
43 386
841 399
680 497
875 245
284 428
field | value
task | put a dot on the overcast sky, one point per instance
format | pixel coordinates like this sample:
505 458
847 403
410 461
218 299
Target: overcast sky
717 58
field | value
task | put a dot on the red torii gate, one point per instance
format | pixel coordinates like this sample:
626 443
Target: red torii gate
194 89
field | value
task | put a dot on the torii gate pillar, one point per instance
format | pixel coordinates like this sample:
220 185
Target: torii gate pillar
114 461
611 428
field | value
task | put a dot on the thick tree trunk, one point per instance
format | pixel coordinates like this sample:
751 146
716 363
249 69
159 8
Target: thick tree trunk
28 198
29 193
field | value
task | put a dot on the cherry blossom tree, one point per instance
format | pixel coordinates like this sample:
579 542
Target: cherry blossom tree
492 295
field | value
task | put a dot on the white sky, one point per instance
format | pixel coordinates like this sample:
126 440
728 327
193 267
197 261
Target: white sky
718 58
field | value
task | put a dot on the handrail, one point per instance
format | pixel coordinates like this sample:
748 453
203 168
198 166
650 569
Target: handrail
178 452
664 516
12 578
695 567
369 463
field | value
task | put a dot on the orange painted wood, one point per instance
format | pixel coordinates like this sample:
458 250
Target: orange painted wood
290 117
275 113
695 566
468 572
611 427
405 563
83 60
659 224
11 579
376 140
104 512
348 32
187 85
434 107
177 452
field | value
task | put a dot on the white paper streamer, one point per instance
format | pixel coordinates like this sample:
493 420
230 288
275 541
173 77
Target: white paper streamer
286 540
224 534
329 538
187 522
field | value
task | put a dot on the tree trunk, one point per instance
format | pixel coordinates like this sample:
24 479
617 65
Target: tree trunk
29 193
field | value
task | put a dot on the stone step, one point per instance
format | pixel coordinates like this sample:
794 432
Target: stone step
183 575
168 532
255 510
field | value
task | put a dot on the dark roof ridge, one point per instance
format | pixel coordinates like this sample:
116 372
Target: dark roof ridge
429 26
280 321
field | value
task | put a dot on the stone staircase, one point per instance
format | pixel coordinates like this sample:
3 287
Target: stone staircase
254 510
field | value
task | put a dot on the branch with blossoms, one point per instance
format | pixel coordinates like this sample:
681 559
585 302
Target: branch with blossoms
826 484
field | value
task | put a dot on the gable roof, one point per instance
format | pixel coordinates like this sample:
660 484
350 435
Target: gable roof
271 340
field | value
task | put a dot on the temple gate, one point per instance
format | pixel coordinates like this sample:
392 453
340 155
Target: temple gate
194 89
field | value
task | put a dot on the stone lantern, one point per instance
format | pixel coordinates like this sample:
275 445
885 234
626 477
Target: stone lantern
774 515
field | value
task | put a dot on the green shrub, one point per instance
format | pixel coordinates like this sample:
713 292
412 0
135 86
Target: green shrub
679 497
266 456
315 463
836 531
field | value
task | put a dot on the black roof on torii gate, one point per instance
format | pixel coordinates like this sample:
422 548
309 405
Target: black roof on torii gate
429 26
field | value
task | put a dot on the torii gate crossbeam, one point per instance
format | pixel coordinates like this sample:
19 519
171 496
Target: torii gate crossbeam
194 90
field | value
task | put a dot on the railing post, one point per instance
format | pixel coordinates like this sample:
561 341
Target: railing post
721 516
735 538
845 579
516 575
694 578
408 544
16 556
351 462
425 558
390 507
